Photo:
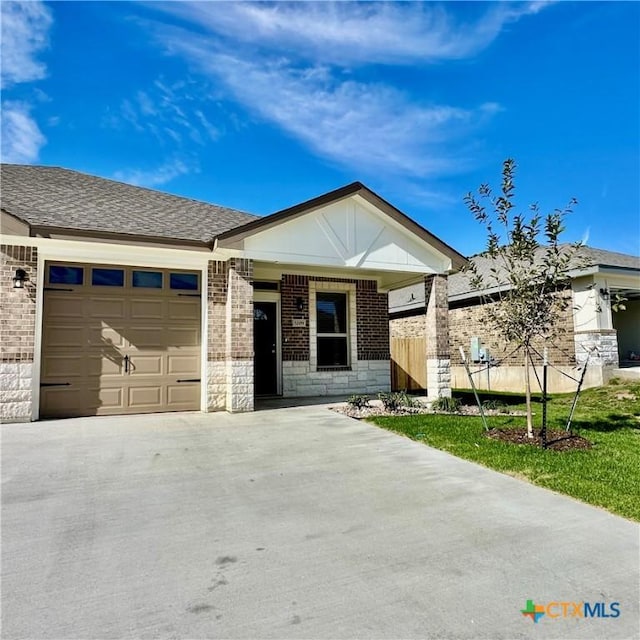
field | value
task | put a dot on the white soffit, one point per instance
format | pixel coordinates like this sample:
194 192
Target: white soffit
349 233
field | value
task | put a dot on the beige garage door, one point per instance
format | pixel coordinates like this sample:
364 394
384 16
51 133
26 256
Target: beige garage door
119 340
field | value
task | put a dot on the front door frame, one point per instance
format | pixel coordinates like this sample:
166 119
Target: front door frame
274 296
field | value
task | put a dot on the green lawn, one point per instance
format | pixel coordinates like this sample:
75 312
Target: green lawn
608 475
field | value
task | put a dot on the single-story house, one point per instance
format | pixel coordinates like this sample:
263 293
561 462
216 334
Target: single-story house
117 299
611 339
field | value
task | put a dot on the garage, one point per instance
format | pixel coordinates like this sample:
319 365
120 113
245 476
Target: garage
119 340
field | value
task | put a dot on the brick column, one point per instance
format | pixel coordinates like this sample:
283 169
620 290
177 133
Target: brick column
437 336
18 332
217 342
239 335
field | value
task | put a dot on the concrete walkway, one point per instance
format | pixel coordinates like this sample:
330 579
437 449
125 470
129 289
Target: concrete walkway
289 523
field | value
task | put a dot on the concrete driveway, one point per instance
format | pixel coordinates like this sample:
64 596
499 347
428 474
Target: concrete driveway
289 523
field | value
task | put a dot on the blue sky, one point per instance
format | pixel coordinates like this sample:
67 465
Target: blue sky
262 106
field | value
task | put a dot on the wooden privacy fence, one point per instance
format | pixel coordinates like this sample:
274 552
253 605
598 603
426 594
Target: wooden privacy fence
408 364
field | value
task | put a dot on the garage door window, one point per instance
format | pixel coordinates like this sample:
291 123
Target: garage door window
147 279
185 281
65 275
107 277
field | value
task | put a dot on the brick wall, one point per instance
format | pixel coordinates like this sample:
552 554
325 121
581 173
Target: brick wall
470 321
408 326
373 321
239 338
17 332
295 340
372 318
217 302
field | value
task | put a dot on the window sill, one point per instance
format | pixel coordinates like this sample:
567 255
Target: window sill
336 368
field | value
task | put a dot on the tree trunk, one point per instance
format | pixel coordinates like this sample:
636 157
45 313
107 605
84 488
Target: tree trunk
527 385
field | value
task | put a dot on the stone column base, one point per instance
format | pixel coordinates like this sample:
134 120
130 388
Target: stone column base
438 377
239 386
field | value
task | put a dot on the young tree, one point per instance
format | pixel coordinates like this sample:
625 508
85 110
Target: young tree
523 281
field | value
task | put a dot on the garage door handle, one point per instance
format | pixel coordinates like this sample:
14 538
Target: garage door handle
55 384
190 380
126 364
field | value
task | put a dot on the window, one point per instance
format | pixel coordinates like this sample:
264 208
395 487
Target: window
187 281
107 277
147 279
66 275
331 321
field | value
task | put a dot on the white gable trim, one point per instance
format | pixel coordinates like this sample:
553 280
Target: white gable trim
348 233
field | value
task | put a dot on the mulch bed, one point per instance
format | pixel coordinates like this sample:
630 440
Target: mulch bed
556 440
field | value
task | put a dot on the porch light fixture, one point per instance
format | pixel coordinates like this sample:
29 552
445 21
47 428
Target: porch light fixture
300 304
604 293
19 279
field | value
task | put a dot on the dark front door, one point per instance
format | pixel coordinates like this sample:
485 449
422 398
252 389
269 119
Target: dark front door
265 328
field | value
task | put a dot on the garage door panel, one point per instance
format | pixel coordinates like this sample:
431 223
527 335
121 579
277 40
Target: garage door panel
59 336
106 398
61 367
63 401
150 309
184 309
177 337
142 365
183 395
145 337
106 307
145 397
183 365
105 335
63 305
105 366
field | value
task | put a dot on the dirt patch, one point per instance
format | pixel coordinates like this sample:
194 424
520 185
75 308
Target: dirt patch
556 440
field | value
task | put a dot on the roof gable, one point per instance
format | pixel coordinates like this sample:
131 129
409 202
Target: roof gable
349 227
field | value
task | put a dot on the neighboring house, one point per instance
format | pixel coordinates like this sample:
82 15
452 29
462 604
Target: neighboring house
117 299
589 326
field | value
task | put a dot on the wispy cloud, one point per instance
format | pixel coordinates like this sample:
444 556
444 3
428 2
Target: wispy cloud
25 34
366 125
348 33
173 113
290 64
156 176
21 136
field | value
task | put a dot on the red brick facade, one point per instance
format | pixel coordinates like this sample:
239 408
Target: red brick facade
18 313
470 321
372 321
217 305
371 311
17 333
295 340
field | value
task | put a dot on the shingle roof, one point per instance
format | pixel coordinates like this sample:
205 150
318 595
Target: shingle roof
460 283
53 197
412 297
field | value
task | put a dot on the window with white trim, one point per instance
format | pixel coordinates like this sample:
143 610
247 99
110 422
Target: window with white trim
332 334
